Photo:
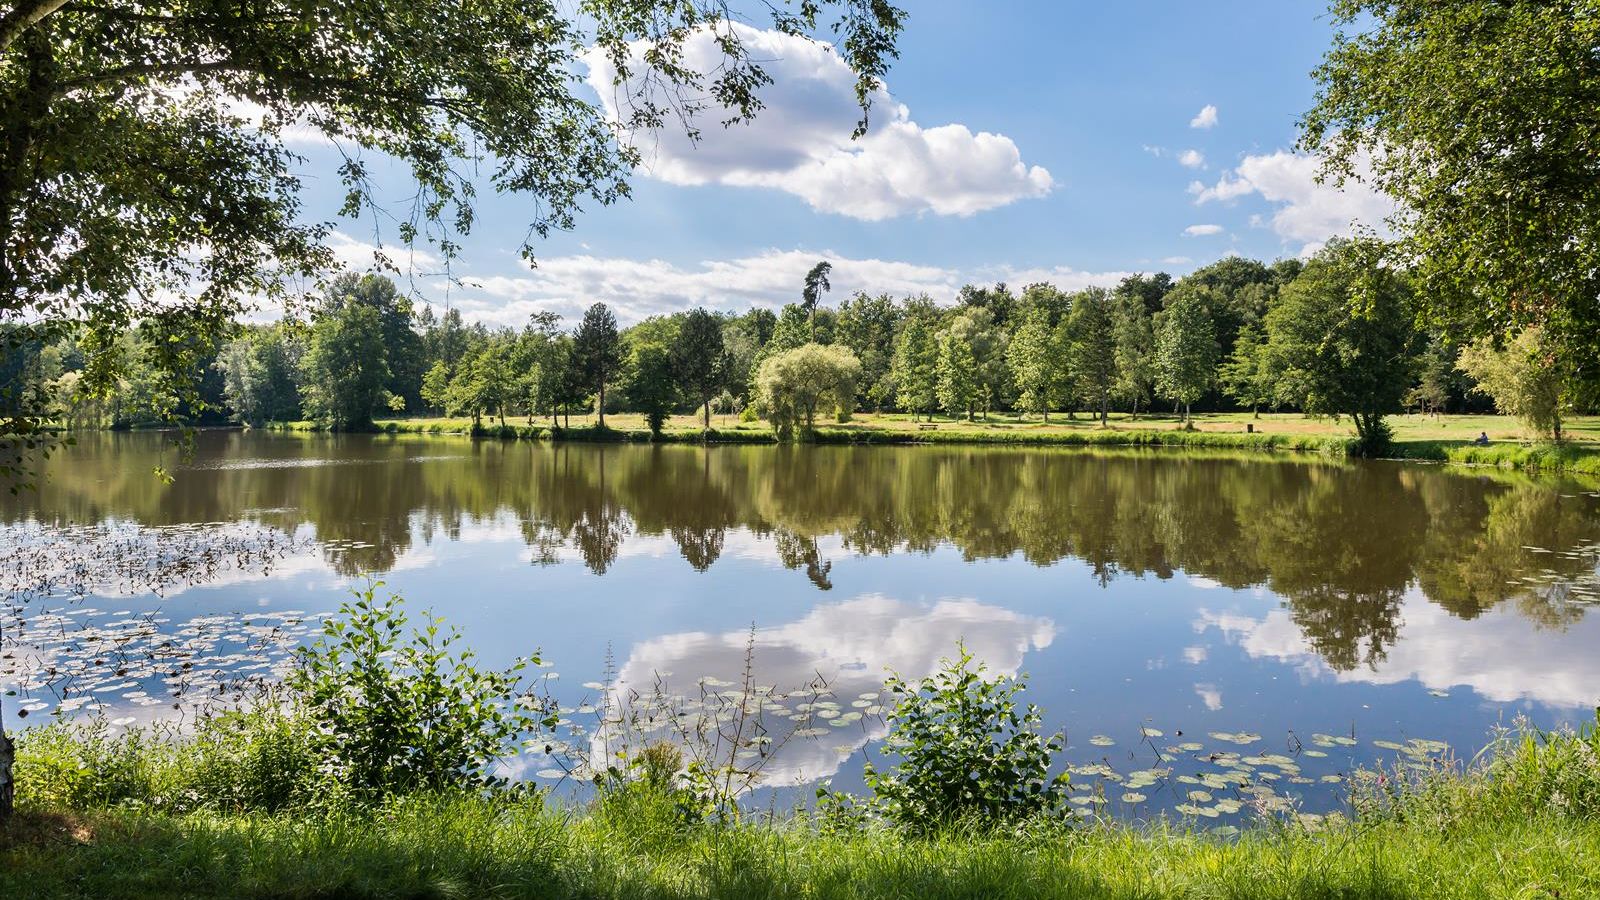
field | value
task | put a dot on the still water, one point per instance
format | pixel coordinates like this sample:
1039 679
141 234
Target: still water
1170 610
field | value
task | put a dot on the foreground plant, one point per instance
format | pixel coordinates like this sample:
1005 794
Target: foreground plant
392 714
965 752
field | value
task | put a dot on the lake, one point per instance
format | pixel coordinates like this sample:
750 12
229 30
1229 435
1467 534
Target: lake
1284 617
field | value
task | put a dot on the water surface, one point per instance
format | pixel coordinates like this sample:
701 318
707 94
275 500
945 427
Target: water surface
1321 605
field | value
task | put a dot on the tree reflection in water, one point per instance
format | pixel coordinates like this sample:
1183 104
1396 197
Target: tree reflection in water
1340 543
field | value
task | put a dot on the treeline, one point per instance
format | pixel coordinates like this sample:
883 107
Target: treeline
1337 334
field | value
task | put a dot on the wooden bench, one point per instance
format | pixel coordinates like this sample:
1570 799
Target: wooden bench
926 426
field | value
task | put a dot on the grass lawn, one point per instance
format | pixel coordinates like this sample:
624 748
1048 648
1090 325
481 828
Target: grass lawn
1581 430
1430 438
470 848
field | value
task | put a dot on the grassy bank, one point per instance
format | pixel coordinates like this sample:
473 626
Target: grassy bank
1526 824
1446 439
469 848
367 773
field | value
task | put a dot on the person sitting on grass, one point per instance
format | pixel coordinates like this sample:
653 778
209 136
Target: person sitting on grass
1482 438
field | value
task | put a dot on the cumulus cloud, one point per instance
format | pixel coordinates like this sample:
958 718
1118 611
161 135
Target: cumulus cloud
1502 655
800 143
638 288
1202 230
1306 212
1205 118
354 253
851 646
1192 159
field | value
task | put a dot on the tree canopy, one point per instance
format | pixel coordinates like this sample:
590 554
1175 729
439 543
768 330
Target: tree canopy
1340 338
1479 119
145 175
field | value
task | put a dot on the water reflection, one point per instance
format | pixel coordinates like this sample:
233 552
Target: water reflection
849 647
1341 544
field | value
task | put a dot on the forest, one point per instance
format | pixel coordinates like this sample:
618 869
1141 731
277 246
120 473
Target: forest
1338 334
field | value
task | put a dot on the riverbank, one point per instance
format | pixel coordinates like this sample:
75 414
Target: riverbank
1526 824
310 795
1418 438
466 848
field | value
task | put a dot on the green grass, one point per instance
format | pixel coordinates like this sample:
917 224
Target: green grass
1444 439
1524 822
474 848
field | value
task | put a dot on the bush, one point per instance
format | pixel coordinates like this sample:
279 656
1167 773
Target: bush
390 716
253 759
965 753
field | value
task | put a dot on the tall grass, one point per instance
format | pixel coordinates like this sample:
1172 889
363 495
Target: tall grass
1523 820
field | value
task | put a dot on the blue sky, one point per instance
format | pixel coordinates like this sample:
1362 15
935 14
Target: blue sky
1019 142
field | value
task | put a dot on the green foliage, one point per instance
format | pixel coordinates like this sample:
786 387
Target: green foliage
699 360
966 753
133 175
1247 374
1528 379
1092 347
1186 348
259 371
436 387
791 386
816 285
1340 339
957 368
258 758
650 388
916 365
867 325
345 366
1135 340
1037 358
1473 116
597 352
392 713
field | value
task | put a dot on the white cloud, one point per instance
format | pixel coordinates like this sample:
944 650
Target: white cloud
1205 118
1307 212
1502 655
1209 695
354 253
1192 159
1202 230
1176 260
852 646
800 143
639 288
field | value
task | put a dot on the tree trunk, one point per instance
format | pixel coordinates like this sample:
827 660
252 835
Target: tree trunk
708 413
7 774
600 408
1187 422
7 768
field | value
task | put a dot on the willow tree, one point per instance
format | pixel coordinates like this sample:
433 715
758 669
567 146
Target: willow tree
144 174
793 385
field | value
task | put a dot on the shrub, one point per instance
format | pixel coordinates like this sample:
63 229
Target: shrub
390 715
965 753
251 759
